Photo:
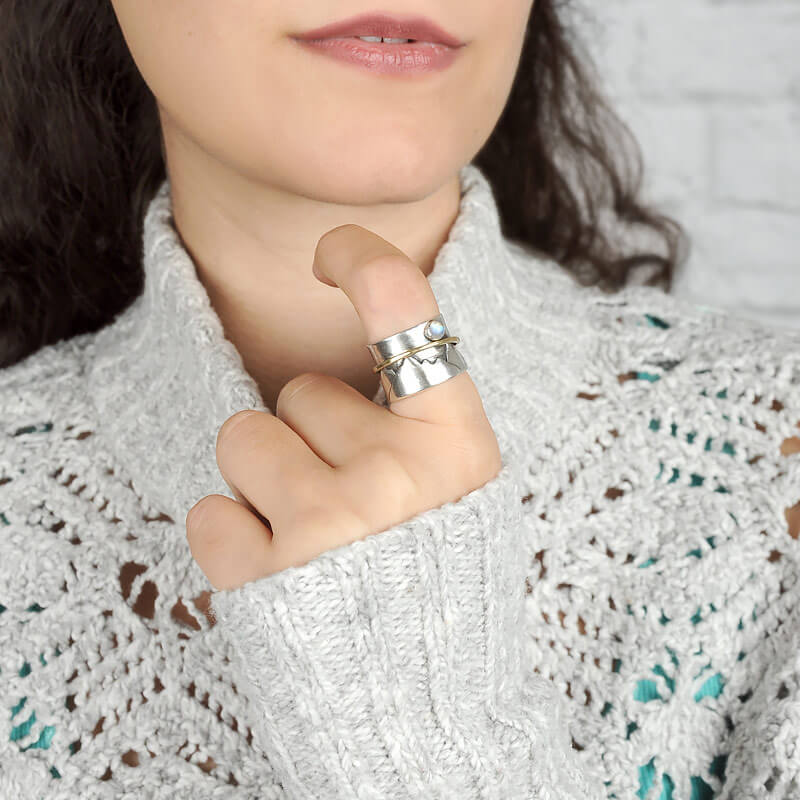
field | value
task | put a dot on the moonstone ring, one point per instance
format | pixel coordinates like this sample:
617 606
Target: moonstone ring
421 356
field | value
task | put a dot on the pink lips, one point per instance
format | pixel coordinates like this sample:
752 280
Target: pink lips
390 27
432 49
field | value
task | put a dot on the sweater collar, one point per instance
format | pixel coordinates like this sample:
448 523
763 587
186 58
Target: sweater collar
164 377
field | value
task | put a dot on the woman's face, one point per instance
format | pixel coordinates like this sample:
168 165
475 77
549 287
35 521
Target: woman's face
229 78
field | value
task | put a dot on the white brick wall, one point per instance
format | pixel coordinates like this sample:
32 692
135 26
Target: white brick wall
711 89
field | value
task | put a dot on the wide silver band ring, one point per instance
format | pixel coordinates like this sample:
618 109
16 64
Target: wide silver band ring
417 358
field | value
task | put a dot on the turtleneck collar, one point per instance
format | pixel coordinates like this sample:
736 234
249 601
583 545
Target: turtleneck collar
164 377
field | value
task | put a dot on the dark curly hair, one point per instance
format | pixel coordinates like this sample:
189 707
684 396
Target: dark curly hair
82 154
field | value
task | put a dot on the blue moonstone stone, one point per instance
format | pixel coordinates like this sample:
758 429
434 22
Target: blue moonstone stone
434 330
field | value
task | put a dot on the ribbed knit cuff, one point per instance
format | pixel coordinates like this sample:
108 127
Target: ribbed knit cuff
382 669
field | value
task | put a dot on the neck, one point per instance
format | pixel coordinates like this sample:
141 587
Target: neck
253 245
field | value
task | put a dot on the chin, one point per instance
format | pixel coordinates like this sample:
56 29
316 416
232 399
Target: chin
390 182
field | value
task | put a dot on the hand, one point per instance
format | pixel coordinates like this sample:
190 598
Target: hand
331 467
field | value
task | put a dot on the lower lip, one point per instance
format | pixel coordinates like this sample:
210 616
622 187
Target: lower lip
407 58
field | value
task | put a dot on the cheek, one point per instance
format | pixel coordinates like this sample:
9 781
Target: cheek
211 67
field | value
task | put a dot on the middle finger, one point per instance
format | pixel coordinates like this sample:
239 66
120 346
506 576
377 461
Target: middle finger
270 465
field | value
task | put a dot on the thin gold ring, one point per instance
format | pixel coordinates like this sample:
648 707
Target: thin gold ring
406 353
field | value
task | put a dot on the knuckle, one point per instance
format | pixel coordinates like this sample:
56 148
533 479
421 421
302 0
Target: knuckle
303 382
237 438
239 426
200 522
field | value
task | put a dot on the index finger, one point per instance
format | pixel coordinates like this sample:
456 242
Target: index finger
390 293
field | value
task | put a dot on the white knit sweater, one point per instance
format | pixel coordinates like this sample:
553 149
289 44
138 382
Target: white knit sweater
614 615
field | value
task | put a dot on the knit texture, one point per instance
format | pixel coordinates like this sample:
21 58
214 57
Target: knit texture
613 615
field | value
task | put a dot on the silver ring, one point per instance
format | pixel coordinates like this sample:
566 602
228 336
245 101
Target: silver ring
417 358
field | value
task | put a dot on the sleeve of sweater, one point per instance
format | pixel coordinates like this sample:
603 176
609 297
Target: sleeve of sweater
391 667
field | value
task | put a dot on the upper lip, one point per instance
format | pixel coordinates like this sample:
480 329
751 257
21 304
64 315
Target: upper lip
386 25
